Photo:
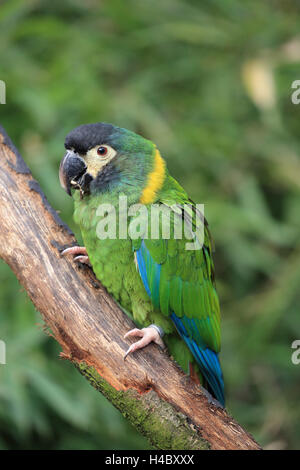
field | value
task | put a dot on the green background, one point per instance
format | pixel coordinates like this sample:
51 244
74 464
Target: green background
210 83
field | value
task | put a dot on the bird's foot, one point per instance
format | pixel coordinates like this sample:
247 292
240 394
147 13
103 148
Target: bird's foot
79 252
152 333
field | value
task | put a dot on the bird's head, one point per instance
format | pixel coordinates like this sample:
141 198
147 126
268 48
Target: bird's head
103 158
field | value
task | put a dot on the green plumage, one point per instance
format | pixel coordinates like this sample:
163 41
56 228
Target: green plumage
182 293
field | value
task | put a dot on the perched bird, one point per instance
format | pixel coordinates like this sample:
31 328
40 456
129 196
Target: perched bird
167 289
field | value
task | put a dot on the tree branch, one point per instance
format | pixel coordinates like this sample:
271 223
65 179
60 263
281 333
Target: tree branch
148 388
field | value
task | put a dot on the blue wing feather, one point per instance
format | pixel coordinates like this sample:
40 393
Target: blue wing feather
188 329
142 269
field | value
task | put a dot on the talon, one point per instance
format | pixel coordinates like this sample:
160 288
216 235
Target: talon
134 332
75 250
82 259
81 253
129 350
148 335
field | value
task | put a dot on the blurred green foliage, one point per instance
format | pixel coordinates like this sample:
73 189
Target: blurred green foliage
210 83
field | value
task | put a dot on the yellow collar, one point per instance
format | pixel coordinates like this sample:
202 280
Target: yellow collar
155 180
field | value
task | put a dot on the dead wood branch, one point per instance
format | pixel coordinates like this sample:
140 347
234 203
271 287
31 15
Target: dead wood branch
148 388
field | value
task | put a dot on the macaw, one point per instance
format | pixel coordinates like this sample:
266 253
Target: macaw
168 290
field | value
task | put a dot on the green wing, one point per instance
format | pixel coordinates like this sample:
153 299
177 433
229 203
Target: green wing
180 282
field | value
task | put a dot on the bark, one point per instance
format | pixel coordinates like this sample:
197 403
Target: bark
148 388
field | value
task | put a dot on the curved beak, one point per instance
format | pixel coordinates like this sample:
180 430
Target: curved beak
71 168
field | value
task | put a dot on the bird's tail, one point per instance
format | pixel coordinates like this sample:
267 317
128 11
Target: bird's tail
207 360
211 371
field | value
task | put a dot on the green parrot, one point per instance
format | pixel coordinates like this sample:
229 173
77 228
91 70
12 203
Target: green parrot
166 288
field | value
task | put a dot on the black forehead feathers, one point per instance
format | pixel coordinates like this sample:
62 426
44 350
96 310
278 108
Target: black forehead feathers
87 136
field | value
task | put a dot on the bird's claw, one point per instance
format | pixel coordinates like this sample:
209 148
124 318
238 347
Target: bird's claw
83 259
79 252
147 335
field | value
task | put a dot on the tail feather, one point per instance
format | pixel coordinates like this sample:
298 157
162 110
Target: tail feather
210 368
207 360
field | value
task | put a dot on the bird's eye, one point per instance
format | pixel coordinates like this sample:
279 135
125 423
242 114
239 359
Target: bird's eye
102 150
